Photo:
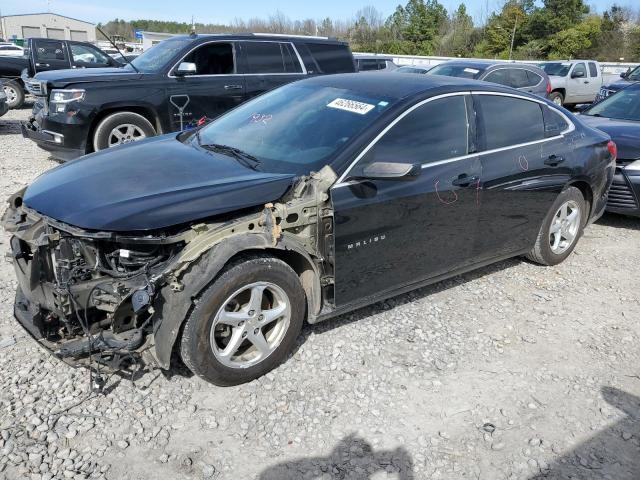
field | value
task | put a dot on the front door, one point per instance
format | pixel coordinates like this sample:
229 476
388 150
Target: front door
47 54
395 233
524 166
214 88
578 84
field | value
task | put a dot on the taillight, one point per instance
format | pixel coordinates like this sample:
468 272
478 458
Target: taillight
548 88
613 149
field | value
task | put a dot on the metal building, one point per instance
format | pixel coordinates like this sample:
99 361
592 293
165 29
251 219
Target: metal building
46 25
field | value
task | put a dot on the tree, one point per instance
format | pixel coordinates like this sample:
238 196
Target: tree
458 40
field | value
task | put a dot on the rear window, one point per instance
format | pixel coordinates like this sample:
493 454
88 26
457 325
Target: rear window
332 58
508 121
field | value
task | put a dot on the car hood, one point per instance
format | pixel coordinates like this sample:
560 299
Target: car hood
619 85
625 133
88 75
150 185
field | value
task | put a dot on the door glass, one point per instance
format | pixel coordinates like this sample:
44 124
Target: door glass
85 54
509 121
264 57
593 69
435 131
499 76
554 123
366 65
291 62
579 68
519 78
212 59
50 50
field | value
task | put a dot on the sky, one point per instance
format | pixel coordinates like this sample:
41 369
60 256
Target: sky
224 12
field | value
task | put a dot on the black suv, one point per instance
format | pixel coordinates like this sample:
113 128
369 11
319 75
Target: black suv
177 84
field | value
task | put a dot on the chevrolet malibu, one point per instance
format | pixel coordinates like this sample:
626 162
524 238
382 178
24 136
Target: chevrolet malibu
317 198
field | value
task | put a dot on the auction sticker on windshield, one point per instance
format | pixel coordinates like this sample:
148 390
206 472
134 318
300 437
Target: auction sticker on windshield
351 106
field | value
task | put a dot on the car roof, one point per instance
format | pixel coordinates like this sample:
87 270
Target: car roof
255 36
390 85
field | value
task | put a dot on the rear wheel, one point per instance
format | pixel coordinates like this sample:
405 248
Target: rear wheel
557 98
245 323
561 228
14 92
120 128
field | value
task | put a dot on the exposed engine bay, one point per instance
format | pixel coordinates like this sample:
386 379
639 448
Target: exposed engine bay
119 299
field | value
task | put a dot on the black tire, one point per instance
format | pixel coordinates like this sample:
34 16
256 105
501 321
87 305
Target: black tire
542 252
14 91
109 123
195 343
553 96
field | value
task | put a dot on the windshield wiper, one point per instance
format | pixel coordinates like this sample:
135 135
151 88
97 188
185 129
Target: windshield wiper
243 157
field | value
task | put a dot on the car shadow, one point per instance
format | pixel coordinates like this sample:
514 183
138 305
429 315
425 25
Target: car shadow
615 220
613 453
9 127
352 457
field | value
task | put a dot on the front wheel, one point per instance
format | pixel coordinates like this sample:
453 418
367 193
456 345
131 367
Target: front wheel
14 92
120 128
246 323
561 228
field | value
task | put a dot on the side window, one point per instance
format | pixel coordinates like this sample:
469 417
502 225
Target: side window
265 57
579 68
534 78
291 62
86 54
331 58
50 50
367 65
519 78
499 76
213 59
593 70
438 130
509 121
554 123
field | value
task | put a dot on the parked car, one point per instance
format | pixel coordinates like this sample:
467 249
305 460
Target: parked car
619 116
527 78
4 105
173 86
412 69
307 202
573 82
10 50
368 63
627 78
46 54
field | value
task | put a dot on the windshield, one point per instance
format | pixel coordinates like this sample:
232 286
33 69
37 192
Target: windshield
460 71
557 69
624 105
634 74
294 129
156 58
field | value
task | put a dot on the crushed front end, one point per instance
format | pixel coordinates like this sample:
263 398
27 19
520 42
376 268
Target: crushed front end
83 292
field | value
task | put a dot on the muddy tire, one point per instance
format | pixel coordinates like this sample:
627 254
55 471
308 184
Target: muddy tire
561 229
557 98
15 93
246 323
120 128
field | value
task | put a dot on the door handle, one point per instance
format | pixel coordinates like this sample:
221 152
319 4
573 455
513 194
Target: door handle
42 65
233 87
586 81
464 180
554 160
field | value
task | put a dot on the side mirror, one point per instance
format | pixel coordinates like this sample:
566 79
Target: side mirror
577 75
391 171
624 74
186 68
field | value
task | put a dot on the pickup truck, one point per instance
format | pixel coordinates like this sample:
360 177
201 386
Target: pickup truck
180 83
574 81
44 54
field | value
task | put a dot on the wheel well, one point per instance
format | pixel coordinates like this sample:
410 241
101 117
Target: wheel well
560 90
145 112
587 193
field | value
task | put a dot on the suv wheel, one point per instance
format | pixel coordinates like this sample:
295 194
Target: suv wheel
120 128
557 98
245 323
561 228
15 94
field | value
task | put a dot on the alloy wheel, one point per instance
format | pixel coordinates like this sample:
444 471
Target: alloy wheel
557 101
11 93
250 325
125 133
565 227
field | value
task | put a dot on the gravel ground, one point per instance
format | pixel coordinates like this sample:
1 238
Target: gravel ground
512 371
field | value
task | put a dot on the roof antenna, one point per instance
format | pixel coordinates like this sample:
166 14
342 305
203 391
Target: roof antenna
193 27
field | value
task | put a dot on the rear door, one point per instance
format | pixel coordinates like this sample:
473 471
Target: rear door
525 163
595 80
47 54
268 65
214 88
392 233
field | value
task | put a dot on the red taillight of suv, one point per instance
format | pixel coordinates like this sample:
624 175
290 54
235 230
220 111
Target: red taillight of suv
548 88
613 149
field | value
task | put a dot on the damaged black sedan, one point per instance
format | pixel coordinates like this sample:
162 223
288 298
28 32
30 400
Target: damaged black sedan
312 200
